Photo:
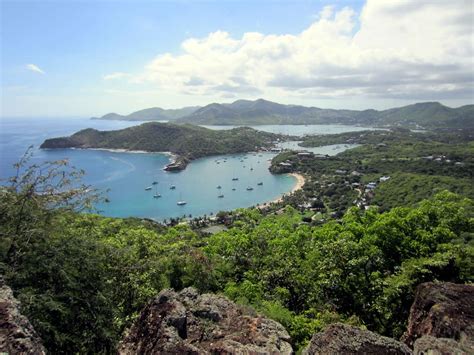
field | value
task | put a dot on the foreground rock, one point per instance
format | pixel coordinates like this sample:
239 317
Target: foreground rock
444 311
17 335
345 339
440 346
188 322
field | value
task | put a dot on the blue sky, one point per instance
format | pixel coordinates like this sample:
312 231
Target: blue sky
82 58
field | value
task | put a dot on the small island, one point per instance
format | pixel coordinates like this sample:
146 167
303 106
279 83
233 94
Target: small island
186 142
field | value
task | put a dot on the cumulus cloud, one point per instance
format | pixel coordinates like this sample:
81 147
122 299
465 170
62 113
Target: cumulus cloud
35 68
391 49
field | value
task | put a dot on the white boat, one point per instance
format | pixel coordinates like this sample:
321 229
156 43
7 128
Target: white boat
156 196
148 188
181 202
249 188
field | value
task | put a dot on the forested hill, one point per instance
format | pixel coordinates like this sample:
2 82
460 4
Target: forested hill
150 114
245 112
186 140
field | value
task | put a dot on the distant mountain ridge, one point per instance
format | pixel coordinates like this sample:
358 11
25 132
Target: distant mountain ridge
259 112
245 112
151 114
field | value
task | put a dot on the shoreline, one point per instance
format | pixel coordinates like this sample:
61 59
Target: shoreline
118 150
300 181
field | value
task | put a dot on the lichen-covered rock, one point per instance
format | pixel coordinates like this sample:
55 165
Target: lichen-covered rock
442 310
17 335
428 345
345 339
191 323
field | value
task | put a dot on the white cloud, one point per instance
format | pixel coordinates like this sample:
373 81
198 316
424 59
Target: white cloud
35 68
116 75
395 49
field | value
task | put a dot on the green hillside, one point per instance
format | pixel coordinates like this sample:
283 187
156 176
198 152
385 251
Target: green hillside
186 140
258 112
82 279
150 114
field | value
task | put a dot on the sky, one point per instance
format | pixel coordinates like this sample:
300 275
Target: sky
88 58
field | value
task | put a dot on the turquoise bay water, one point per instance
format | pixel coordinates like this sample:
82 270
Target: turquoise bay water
126 175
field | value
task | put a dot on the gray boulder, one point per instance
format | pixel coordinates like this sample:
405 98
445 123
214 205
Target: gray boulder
191 323
345 339
17 335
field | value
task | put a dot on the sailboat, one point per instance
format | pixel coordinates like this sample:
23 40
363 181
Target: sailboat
181 202
156 195
221 196
172 187
260 184
148 188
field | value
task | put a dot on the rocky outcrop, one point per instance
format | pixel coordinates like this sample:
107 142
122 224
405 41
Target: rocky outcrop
180 163
445 311
17 335
345 339
428 345
193 323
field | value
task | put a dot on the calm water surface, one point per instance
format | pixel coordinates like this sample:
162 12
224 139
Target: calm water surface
126 175
302 130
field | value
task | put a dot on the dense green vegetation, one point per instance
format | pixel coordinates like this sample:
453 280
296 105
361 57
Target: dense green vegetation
83 278
418 166
186 140
245 112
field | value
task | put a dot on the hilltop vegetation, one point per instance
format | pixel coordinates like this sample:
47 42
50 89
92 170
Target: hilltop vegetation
245 112
82 278
189 141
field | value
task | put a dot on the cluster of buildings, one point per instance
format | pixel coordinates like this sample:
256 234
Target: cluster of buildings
441 159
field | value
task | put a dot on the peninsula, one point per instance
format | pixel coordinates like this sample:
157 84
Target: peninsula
187 142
